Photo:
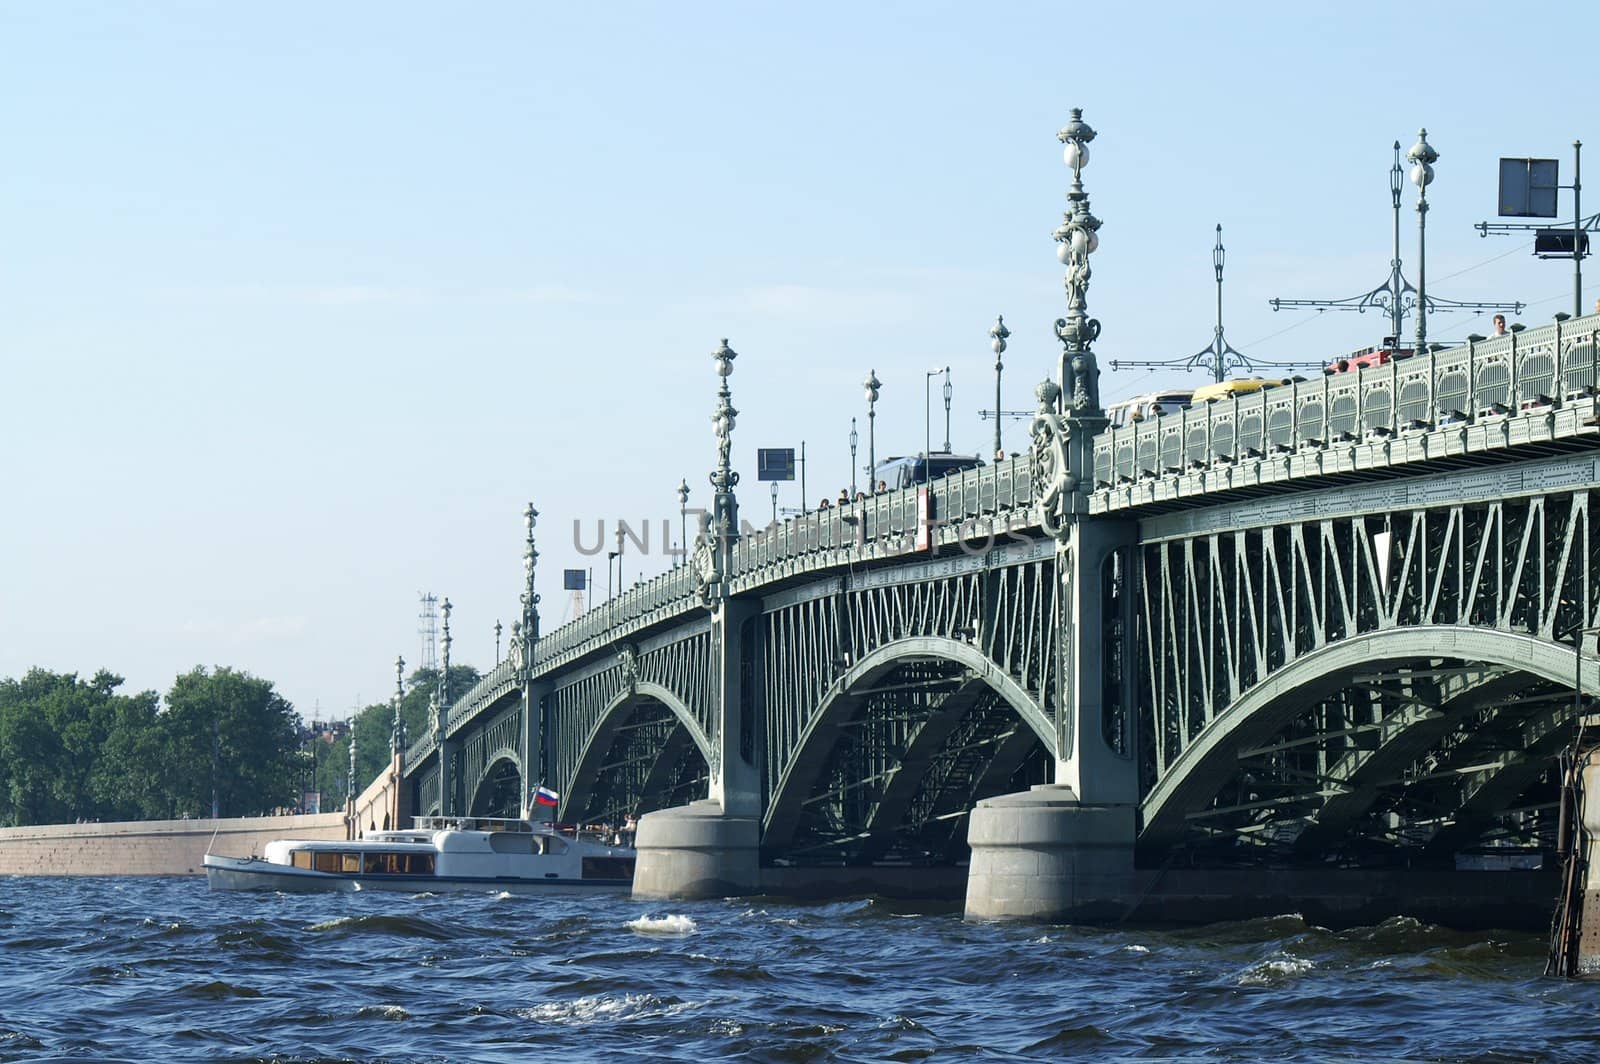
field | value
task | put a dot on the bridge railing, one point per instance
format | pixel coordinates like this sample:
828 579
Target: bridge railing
1536 369
675 587
888 518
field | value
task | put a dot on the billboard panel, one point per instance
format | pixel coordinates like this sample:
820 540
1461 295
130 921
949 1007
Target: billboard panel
775 463
1528 188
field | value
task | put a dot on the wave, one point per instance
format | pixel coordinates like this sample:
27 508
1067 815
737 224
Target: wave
382 1012
675 924
1276 970
404 926
605 1008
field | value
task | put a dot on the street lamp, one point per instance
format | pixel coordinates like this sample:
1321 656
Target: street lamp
927 413
855 438
497 631
397 727
619 558
947 392
1422 157
774 502
1077 238
350 788
872 384
998 334
683 519
611 556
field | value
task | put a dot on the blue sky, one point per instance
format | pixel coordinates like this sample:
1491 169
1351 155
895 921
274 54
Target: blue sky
300 303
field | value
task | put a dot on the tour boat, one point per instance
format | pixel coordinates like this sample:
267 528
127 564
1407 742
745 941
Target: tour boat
438 854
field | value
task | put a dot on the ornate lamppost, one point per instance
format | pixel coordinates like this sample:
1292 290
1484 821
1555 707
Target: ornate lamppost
948 391
1422 157
350 789
397 729
683 518
497 631
872 384
524 642
998 334
725 507
441 710
444 647
927 415
1078 238
529 597
619 559
719 526
855 438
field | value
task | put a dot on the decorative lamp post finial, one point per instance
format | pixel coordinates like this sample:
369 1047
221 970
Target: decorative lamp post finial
872 384
683 518
444 670
723 418
855 440
998 334
350 789
1422 157
1078 238
397 730
529 597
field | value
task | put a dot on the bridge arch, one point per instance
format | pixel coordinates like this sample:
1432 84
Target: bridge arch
1267 707
588 770
975 675
499 788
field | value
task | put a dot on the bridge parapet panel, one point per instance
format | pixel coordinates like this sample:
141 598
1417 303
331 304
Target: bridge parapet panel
1472 386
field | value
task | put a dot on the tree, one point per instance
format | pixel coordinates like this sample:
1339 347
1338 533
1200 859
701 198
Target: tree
374 728
69 749
420 690
230 735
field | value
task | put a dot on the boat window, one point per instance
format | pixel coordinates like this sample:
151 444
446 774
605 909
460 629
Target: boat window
350 863
506 842
608 868
301 858
419 864
553 845
326 862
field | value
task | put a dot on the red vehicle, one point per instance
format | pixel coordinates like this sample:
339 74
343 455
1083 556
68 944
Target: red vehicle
1367 356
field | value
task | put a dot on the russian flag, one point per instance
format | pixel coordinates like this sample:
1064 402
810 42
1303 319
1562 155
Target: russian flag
545 796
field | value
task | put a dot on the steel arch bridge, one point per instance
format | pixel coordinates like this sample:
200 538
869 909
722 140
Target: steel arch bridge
1337 621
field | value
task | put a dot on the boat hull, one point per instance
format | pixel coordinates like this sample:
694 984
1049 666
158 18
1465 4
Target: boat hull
253 873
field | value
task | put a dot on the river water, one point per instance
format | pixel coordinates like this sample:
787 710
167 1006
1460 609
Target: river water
162 969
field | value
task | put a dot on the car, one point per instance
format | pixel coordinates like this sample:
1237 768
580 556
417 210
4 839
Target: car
895 473
1367 356
1151 404
1210 393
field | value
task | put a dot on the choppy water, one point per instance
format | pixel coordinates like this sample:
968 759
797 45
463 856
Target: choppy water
162 969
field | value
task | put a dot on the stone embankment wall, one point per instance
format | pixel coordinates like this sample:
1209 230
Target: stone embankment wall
152 847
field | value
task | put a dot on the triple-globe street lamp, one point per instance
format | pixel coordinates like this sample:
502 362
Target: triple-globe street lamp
872 384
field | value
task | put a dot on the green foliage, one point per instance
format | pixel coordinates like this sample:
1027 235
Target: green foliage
238 739
374 728
420 690
72 749
68 748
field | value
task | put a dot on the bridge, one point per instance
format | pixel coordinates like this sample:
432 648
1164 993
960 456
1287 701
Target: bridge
1333 625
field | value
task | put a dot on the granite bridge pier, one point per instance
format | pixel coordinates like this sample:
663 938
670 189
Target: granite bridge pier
1311 648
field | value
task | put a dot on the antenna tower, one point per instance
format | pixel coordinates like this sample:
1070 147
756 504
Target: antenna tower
428 630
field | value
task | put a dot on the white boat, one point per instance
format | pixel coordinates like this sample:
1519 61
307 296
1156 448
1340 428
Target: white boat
438 854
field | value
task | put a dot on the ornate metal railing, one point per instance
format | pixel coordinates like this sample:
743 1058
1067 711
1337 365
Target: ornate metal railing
1538 369
887 522
669 591
883 524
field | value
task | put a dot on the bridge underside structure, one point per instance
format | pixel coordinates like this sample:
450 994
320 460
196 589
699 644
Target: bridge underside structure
1352 650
